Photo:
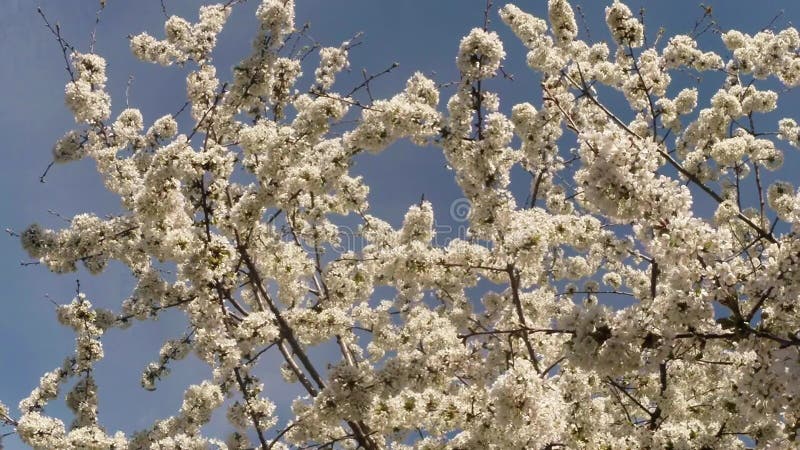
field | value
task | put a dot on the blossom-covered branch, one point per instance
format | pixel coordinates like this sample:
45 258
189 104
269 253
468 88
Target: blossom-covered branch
704 350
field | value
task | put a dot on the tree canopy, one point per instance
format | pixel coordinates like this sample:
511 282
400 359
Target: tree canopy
611 308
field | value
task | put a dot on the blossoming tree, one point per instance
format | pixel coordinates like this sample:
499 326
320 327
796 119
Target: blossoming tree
705 356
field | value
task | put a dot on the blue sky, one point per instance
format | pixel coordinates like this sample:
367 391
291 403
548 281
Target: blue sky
418 34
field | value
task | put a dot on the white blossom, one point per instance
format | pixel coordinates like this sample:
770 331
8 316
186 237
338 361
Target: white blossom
624 27
480 54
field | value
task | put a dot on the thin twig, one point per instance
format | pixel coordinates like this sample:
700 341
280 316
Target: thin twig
486 10
128 91
367 80
44 174
66 47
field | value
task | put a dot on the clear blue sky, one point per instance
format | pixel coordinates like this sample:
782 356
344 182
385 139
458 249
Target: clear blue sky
418 34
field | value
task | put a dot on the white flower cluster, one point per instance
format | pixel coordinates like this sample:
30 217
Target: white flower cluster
41 432
765 54
184 41
332 61
80 316
183 430
69 148
253 408
625 28
276 17
532 32
480 54
410 114
781 197
85 95
789 131
682 51
171 350
621 182
44 432
562 17
684 103
528 28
